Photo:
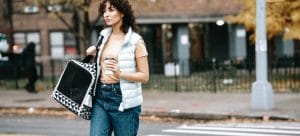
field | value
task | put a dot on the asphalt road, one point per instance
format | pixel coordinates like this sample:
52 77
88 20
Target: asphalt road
59 126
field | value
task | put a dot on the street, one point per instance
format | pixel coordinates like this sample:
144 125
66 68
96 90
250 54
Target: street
59 126
196 68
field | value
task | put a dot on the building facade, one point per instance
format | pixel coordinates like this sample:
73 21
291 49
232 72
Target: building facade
179 34
33 23
5 25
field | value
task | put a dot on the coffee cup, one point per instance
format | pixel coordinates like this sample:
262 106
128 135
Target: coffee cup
108 72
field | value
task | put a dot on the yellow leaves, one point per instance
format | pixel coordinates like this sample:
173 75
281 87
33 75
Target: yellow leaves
283 17
292 32
275 0
76 3
294 4
246 16
53 2
275 25
295 15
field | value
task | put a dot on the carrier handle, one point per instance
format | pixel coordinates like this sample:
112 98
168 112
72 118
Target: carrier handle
88 58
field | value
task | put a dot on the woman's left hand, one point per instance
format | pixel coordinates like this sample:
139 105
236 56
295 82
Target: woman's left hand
112 65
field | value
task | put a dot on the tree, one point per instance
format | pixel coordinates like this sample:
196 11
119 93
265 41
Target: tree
282 18
6 20
81 25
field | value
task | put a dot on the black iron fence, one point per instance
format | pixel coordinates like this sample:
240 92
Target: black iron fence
207 76
284 75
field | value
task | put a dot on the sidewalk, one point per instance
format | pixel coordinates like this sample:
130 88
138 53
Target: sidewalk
192 105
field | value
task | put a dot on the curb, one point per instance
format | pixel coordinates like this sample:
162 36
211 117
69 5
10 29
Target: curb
51 111
215 116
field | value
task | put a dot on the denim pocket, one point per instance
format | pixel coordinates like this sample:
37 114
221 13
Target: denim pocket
117 90
111 94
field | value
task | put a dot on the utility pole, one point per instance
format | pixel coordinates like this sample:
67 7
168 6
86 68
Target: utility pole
262 93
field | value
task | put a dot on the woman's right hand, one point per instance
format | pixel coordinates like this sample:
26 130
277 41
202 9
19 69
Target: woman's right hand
91 51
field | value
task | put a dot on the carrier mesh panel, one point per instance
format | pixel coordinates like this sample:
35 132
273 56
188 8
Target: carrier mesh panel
74 80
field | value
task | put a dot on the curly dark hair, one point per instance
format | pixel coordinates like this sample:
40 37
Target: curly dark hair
124 7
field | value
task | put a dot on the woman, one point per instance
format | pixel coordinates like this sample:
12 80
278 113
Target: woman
123 67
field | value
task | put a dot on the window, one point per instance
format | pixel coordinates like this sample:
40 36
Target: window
63 44
53 8
21 39
31 9
34 37
59 8
3 43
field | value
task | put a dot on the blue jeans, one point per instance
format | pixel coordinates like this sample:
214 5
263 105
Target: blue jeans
105 116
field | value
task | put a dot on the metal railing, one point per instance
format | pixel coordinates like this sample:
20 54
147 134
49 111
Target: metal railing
209 76
284 75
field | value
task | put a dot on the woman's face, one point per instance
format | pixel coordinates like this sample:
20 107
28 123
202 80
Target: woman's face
112 16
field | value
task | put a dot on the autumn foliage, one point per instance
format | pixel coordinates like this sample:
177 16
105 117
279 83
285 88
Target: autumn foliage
283 18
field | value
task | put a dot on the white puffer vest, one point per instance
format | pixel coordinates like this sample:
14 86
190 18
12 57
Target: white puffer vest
131 91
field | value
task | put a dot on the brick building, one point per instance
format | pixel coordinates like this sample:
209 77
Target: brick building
5 27
32 23
189 32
